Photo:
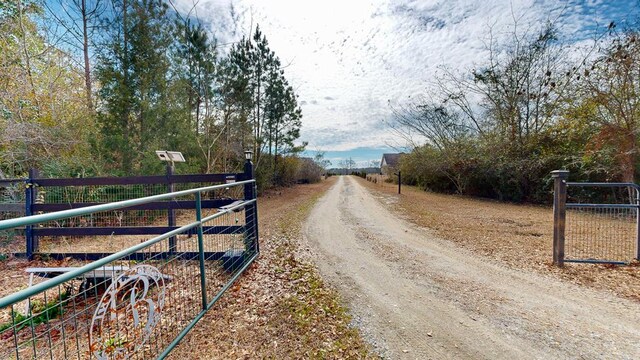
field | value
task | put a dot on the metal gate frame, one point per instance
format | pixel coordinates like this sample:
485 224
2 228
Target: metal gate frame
560 207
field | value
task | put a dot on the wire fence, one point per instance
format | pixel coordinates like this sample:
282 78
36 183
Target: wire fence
600 234
139 302
100 194
595 222
120 218
102 232
11 206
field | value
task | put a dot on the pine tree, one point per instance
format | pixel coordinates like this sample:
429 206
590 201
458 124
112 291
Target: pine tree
257 84
197 57
133 69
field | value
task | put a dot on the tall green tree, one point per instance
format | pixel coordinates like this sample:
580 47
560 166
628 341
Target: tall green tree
263 62
133 69
283 117
236 103
196 66
262 100
80 23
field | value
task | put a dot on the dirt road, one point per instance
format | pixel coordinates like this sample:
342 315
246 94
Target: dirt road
418 297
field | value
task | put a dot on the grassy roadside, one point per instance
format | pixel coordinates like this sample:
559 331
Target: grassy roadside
312 309
518 236
281 308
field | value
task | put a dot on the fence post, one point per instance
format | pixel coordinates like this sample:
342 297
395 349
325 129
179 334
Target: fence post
637 224
203 280
251 211
171 216
399 175
559 214
29 200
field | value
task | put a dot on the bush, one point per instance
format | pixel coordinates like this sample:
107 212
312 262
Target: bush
309 171
286 171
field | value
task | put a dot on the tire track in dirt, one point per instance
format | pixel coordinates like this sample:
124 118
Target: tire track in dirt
418 297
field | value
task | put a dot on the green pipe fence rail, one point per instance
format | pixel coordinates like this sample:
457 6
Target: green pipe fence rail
595 222
137 303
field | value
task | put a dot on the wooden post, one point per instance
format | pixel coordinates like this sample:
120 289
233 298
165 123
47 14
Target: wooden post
559 214
171 215
399 174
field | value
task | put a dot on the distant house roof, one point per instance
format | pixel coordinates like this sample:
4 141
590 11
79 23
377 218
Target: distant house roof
390 160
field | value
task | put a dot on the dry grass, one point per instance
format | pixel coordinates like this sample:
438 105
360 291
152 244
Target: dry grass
519 236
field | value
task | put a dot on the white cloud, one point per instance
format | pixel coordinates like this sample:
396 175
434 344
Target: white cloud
347 59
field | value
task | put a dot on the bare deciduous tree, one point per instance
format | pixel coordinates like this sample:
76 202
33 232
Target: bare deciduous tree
611 89
80 20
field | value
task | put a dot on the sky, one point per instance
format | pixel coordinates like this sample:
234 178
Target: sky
349 60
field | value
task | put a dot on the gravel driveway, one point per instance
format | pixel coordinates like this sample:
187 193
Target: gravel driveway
416 296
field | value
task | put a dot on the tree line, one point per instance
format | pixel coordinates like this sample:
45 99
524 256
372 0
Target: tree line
536 105
93 87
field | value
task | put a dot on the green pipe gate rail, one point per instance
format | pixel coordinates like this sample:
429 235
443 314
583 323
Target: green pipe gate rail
137 303
599 224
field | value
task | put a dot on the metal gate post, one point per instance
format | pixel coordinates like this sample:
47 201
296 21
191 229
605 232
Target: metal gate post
171 215
203 279
29 200
559 214
255 218
251 210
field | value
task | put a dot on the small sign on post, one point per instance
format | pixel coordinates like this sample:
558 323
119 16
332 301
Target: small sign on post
171 157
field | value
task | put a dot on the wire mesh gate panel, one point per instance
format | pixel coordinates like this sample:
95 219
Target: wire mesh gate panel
596 222
600 234
137 303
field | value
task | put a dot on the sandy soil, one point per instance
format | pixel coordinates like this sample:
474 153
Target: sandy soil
417 296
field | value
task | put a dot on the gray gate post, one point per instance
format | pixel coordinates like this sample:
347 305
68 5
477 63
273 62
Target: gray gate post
559 214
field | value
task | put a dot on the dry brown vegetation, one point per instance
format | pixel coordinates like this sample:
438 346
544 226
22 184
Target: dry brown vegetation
519 236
